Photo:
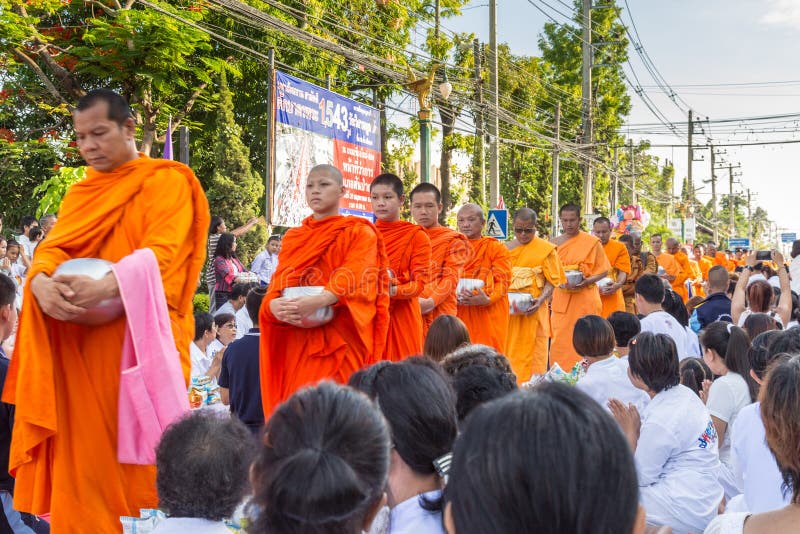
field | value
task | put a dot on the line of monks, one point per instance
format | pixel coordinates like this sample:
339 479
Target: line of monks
387 282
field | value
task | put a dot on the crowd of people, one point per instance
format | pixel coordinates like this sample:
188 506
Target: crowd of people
387 377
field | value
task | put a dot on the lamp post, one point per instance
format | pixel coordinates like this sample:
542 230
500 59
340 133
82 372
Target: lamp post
422 87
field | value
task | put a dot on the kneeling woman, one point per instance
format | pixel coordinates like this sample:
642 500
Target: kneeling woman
675 443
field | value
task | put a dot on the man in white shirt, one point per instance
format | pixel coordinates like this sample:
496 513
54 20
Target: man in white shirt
649 290
267 261
235 305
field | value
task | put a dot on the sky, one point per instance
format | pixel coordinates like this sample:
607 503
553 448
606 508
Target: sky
696 46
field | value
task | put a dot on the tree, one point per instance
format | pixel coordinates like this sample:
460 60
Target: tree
235 190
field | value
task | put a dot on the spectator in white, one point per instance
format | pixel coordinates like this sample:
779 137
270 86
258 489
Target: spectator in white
239 378
780 411
236 306
759 296
226 332
626 326
202 473
753 465
26 223
267 260
606 376
47 222
725 348
794 267
216 228
205 332
674 443
11 520
650 291
673 305
35 236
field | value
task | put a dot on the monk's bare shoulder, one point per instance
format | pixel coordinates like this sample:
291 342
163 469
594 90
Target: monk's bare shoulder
560 240
511 245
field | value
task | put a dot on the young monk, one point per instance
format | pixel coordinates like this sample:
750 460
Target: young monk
346 255
617 254
535 269
65 377
578 251
409 250
679 284
449 253
484 311
673 273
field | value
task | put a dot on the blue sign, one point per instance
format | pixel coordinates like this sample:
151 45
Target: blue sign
739 242
497 224
788 237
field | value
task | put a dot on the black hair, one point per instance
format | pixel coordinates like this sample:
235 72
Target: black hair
570 207
476 355
202 324
118 109
654 359
27 220
625 325
759 355
253 303
323 465
502 479
426 187
651 288
8 290
756 323
213 227
731 343
625 238
274 238
787 341
35 233
420 407
445 334
203 466
602 220
673 305
795 248
222 319
392 180
693 372
225 246
241 289
795 314
477 385
593 336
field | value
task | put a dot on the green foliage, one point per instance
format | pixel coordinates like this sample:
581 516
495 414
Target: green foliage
201 302
235 191
52 190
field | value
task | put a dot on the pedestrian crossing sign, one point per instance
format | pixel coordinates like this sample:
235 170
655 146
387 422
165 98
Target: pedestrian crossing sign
497 224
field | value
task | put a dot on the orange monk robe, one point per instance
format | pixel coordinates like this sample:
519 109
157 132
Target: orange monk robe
670 265
697 276
346 255
583 252
409 250
64 377
526 342
491 263
450 251
620 260
679 284
705 263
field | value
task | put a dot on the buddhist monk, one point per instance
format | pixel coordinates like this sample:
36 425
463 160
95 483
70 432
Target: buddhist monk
700 266
669 269
703 261
484 310
450 251
649 262
679 284
716 256
409 250
637 270
64 377
582 252
611 294
536 270
347 258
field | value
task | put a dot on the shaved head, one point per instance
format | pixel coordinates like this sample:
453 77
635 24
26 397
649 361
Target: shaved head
471 208
332 172
671 241
525 214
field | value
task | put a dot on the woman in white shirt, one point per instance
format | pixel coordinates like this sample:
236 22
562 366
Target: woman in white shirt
780 411
725 350
420 408
205 332
759 295
606 375
674 443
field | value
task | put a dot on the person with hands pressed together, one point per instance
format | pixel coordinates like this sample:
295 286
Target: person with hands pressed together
535 269
740 310
578 251
617 254
666 262
484 311
346 256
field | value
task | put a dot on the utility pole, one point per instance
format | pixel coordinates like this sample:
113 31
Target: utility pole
615 183
671 205
554 196
749 217
480 133
714 220
633 174
731 205
690 184
494 124
586 108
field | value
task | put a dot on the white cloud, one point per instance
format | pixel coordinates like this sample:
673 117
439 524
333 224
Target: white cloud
782 13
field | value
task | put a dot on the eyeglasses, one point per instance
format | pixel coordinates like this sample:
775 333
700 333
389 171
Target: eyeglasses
524 230
229 325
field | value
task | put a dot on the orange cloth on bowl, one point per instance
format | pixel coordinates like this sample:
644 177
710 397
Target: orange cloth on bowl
64 377
409 250
491 263
450 251
346 255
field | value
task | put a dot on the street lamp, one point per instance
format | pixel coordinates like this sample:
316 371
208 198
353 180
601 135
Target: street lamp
422 87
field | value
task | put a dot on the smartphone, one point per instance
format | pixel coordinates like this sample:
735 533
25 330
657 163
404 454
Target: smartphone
763 255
